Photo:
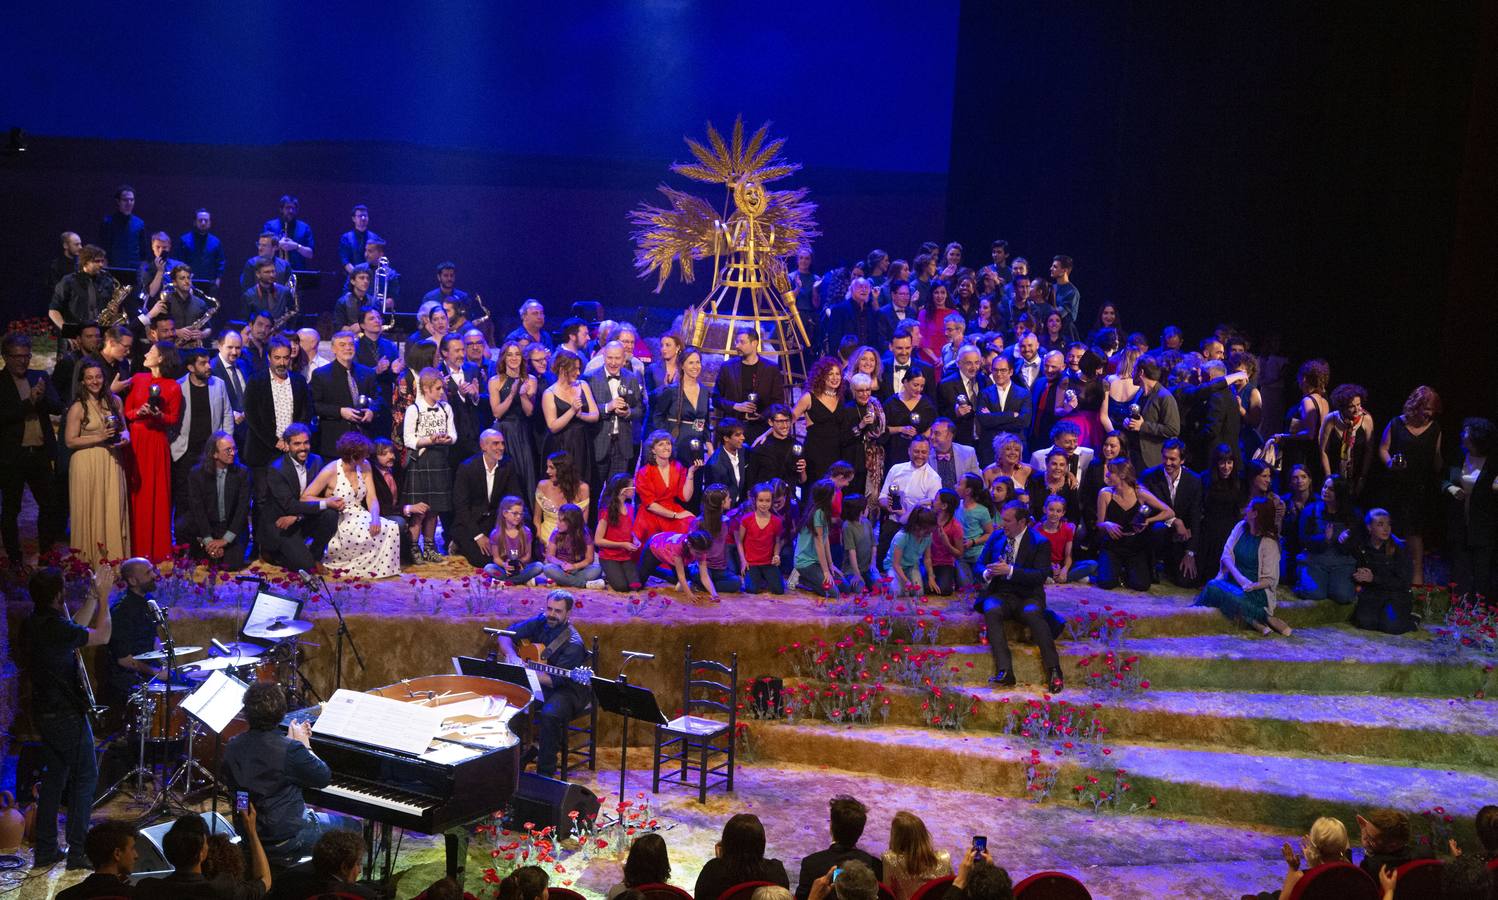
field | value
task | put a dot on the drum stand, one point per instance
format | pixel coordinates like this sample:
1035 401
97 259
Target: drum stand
145 712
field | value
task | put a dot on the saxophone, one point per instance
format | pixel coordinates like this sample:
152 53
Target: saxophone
113 312
202 321
293 311
485 317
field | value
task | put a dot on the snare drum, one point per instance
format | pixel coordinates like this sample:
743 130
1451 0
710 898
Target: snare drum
158 710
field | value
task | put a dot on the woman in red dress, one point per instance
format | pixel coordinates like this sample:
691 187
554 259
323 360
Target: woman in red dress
148 472
661 487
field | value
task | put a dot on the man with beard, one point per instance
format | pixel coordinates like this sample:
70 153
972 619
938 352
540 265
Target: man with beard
748 384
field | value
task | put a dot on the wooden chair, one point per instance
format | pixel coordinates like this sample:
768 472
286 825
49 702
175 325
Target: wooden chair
1335 881
580 736
1051 886
744 890
663 892
1418 879
705 737
933 889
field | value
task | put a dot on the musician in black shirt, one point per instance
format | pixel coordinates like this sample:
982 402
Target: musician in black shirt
59 708
80 296
134 633
274 768
561 646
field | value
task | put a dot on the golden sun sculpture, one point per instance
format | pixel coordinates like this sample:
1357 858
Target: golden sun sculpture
748 245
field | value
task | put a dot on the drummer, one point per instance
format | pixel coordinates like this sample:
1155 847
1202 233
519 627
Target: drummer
134 633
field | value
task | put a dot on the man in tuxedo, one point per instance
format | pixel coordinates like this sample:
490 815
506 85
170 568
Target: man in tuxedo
729 464
1158 420
216 518
230 367
1027 362
205 411
1004 409
959 397
898 310
950 459
901 361
620 399
289 532
1176 540
1015 563
748 384
469 397
28 448
336 391
482 481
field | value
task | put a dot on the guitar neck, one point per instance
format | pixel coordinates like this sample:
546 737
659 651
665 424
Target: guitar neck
549 669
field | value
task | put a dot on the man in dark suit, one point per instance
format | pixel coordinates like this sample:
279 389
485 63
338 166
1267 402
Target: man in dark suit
1015 563
621 401
266 295
901 361
273 399
289 532
216 520
856 316
1176 540
959 396
1215 414
1158 420
230 367
1044 390
28 448
482 481
729 464
899 310
747 376
336 391
846 820
777 454
1004 409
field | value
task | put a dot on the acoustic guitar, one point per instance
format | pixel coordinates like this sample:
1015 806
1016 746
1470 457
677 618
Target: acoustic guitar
530 656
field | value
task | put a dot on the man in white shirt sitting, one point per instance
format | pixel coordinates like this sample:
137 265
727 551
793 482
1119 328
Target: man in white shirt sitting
906 486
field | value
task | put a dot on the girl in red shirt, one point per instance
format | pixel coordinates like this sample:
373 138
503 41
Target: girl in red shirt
618 546
758 539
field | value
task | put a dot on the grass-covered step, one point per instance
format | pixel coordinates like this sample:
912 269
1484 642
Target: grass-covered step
1460 733
1168 611
1327 659
1257 788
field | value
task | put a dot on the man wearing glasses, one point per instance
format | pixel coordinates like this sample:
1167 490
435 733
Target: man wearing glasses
28 448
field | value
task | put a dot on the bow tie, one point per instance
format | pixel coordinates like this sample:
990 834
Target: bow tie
943 456
902 368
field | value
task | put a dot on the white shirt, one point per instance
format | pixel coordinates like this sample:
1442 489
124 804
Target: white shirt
423 420
1002 392
916 486
281 400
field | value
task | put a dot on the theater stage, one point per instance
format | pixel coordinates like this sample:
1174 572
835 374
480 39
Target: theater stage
1236 742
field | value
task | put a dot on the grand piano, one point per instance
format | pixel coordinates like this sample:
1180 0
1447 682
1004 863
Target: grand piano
467 772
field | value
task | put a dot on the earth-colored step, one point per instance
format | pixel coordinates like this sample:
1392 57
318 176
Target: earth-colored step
1461 733
1245 788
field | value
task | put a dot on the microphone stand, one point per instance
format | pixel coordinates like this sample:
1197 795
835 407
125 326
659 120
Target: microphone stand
343 633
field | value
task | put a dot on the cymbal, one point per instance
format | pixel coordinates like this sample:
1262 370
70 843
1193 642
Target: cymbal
160 655
242 648
160 687
222 662
278 629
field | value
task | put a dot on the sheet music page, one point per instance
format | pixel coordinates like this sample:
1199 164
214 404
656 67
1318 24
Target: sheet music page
379 721
217 701
267 608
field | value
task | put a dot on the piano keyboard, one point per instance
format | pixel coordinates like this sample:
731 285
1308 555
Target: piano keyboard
380 796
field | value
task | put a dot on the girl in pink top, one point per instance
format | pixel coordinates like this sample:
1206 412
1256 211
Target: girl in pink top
675 551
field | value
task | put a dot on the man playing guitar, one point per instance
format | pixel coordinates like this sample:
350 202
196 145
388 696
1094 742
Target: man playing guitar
561 647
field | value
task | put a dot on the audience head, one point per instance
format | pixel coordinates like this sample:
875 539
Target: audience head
771 892
1487 830
1326 842
185 844
909 839
449 889
224 858
1384 831
110 846
525 883
857 882
846 819
742 846
987 881
264 705
337 854
648 862
1466 878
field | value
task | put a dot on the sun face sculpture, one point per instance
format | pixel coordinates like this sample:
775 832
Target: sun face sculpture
748 245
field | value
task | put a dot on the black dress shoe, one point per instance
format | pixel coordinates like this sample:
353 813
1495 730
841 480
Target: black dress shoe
1003 678
1055 681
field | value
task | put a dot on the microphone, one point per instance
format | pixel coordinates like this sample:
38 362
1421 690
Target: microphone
500 632
244 578
306 576
635 654
156 612
220 646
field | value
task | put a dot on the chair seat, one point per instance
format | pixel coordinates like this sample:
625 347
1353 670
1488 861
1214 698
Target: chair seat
695 726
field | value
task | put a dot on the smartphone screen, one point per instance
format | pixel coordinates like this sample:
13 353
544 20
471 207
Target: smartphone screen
980 843
241 801
836 872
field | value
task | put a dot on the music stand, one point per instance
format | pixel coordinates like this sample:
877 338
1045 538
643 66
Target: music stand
630 701
215 704
499 671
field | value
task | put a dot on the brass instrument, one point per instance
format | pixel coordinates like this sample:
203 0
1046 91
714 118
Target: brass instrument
95 711
485 317
202 321
292 312
381 288
113 312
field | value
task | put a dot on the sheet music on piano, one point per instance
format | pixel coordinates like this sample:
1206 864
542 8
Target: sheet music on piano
379 721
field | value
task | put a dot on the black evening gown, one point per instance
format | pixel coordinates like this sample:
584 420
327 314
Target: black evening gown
573 437
830 436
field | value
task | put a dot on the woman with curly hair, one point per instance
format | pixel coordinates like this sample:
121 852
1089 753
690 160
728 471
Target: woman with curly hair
1410 451
1346 438
830 424
364 544
1298 443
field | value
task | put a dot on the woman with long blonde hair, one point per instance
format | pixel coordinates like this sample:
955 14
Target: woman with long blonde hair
911 860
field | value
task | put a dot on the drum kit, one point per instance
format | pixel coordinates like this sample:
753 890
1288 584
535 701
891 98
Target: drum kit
157 723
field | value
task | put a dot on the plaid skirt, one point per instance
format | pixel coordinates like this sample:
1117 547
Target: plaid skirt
429 480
